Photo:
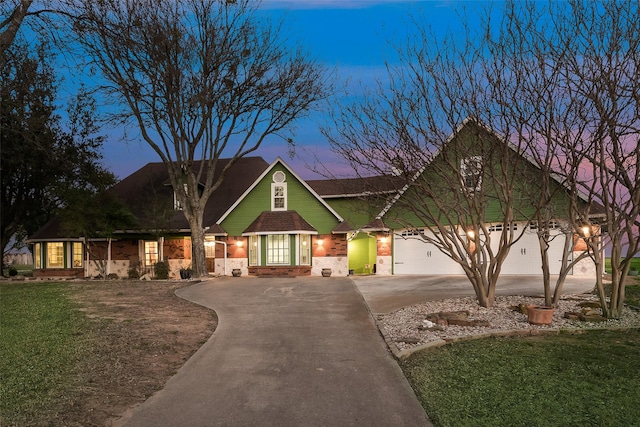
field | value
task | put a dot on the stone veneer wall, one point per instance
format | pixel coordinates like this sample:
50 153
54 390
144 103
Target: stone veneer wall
175 265
119 267
383 265
331 254
584 267
339 265
232 263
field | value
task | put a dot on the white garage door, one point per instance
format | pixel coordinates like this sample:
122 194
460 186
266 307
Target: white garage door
524 256
412 255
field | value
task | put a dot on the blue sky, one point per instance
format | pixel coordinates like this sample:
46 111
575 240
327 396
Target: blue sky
352 36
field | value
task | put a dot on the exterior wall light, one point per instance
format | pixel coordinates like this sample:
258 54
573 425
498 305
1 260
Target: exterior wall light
240 243
320 242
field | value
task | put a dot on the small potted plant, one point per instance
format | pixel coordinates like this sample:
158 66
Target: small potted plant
185 273
540 314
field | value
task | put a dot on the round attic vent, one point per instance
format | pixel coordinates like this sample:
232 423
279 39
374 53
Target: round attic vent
279 176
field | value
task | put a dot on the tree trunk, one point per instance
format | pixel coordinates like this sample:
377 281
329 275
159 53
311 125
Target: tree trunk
198 260
543 238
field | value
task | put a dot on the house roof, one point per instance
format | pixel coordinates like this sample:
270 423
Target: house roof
52 230
149 195
343 228
270 222
354 187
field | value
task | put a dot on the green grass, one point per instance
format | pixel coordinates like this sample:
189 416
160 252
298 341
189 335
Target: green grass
635 263
589 379
40 346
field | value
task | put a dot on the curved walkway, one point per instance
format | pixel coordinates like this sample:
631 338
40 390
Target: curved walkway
287 352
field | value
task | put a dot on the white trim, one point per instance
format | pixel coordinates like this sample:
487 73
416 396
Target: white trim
266 233
273 196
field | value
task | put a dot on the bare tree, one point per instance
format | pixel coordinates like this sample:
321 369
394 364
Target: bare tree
527 77
36 14
427 126
200 79
559 81
604 72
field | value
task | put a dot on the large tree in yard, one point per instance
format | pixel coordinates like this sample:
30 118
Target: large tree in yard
604 71
44 159
201 80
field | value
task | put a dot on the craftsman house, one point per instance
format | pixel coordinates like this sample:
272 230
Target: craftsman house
265 220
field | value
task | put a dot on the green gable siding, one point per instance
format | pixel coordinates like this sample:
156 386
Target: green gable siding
299 199
357 212
437 178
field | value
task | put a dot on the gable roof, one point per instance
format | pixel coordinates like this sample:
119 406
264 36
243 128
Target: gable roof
471 121
269 222
295 175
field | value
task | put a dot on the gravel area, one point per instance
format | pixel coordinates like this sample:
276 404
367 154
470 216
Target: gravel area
408 328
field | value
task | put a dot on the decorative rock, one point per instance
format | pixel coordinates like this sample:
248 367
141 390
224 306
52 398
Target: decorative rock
408 322
409 340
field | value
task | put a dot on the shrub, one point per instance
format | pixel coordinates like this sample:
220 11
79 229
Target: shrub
13 271
161 269
133 273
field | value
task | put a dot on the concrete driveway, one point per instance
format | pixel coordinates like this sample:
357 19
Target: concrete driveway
287 352
385 294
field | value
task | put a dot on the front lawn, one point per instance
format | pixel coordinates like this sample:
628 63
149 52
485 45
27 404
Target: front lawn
553 380
41 344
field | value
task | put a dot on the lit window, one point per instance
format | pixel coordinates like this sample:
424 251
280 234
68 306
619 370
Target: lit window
150 253
278 249
55 255
305 249
77 255
253 250
38 259
209 249
471 173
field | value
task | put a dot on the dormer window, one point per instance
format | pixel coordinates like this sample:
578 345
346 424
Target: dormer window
279 192
471 173
176 201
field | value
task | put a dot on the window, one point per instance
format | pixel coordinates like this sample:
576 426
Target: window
279 192
150 253
471 173
305 249
55 255
77 255
38 256
209 249
277 249
253 250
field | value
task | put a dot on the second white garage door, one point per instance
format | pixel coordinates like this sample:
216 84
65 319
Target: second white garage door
413 255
